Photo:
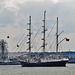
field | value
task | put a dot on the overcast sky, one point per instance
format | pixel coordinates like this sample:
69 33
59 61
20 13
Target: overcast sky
14 18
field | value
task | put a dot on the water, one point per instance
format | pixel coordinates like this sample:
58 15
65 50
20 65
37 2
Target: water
18 70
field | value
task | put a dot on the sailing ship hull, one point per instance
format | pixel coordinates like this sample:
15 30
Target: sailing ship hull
45 64
9 63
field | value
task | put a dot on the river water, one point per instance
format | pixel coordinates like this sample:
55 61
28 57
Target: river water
18 70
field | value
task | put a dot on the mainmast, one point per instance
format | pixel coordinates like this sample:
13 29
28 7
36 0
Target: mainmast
57 37
44 30
29 42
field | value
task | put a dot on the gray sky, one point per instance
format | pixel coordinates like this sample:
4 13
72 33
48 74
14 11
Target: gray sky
14 18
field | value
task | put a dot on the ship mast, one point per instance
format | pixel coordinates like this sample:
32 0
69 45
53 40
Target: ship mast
57 40
29 42
44 30
57 37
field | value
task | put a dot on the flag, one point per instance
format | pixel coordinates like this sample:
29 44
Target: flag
67 39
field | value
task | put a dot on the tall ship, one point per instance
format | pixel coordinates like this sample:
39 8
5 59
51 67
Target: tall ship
3 51
4 60
45 61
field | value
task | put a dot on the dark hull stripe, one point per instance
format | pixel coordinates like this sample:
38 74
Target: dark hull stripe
44 64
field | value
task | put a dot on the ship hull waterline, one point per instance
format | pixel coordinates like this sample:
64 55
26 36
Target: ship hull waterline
45 64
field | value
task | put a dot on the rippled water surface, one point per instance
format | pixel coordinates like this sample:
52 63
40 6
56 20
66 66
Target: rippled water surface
18 70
